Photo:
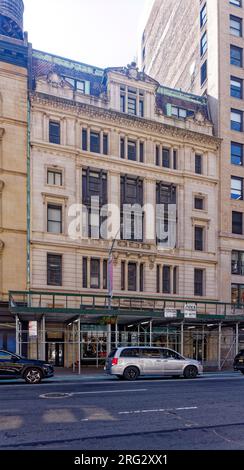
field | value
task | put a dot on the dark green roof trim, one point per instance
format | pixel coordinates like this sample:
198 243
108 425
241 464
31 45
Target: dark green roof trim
163 90
68 63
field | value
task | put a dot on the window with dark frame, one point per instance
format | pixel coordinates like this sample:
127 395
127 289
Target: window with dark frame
166 280
237 222
175 154
204 72
199 238
198 164
131 192
199 203
132 150
236 120
175 280
198 282
105 144
158 279
157 155
141 277
236 87
54 177
236 153
141 152
105 274
203 15
236 26
54 270
237 3
132 277
94 184
95 142
122 147
54 218
84 273
203 44
54 132
236 56
237 262
84 140
123 275
236 188
237 294
95 273
166 158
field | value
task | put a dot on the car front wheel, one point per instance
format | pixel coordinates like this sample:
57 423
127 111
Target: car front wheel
33 376
131 373
190 372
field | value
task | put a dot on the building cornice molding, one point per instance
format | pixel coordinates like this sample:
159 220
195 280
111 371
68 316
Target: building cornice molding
125 120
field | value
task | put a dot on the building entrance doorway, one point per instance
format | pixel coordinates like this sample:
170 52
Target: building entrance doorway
55 353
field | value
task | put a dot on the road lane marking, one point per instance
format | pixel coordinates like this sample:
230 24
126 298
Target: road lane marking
159 410
56 396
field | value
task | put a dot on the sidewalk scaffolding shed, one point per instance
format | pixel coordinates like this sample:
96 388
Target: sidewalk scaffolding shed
77 330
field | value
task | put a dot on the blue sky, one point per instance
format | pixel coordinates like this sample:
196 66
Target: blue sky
104 33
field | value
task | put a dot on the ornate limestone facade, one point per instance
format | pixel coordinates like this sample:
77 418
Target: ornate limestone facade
120 123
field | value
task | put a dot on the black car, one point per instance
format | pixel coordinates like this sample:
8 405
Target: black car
239 361
17 367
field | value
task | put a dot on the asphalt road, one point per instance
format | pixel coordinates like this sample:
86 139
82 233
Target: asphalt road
162 414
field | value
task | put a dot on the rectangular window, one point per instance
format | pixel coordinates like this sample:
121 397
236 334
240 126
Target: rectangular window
199 231
122 103
141 108
235 26
236 153
175 280
132 276
105 144
236 188
237 3
198 164
54 132
122 275
105 274
198 282
158 279
84 273
141 277
174 159
122 148
237 263
204 72
237 294
95 142
203 15
132 106
236 120
236 87
237 223
54 270
131 150
157 155
166 158
236 56
198 203
141 152
54 177
178 112
84 139
166 280
203 44
80 86
54 218
95 274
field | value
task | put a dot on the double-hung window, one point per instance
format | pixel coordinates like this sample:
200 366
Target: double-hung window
236 56
236 120
236 188
236 153
203 15
204 44
236 26
54 218
236 87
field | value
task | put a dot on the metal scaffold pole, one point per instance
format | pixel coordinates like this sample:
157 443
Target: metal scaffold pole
219 346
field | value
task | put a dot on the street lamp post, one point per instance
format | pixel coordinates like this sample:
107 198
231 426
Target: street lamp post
110 271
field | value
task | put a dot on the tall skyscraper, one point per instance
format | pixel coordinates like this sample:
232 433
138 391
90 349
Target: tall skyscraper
198 46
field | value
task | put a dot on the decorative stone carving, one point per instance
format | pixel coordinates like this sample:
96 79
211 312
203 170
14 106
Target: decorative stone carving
1 186
152 260
1 246
55 80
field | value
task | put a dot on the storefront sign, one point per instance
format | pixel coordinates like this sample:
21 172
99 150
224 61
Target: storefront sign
170 312
190 311
32 329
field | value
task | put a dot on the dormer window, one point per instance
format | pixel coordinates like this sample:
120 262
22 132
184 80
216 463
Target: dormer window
78 85
131 101
179 112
